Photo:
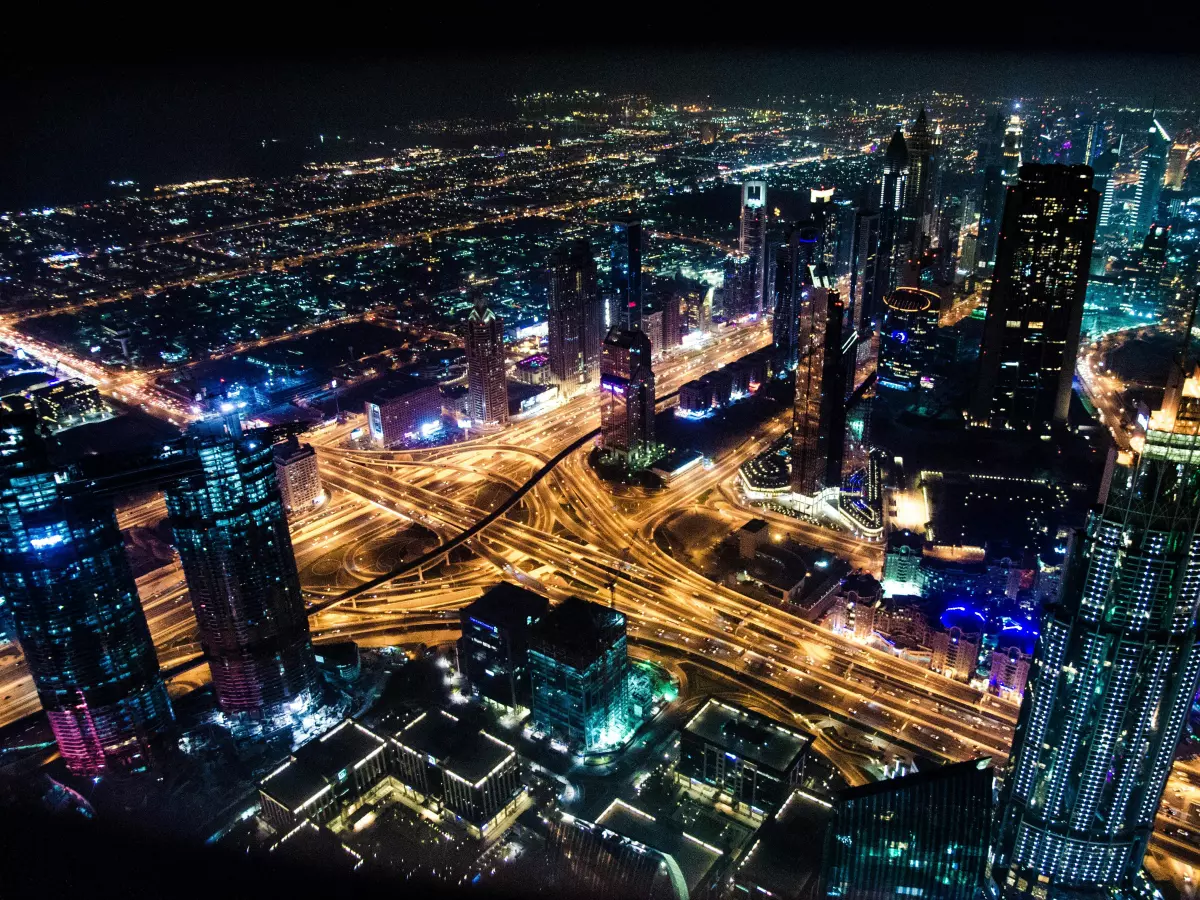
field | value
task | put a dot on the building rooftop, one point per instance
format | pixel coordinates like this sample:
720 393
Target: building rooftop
756 526
469 754
317 764
577 632
748 735
400 387
309 845
907 782
508 606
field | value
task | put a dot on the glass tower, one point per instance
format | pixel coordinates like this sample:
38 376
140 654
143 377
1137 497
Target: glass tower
1031 335
925 835
627 271
77 614
232 535
487 384
579 668
1114 675
575 315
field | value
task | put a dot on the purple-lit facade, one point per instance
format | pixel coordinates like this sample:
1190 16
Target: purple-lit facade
79 621
232 535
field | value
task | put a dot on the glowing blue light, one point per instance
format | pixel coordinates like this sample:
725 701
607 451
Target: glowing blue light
43 542
900 337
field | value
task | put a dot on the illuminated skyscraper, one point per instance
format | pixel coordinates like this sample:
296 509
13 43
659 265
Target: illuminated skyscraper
232 536
1114 675
77 614
627 271
1010 152
865 276
752 241
575 315
627 398
1152 167
819 413
1031 335
487 383
1177 166
894 239
1103 183
920 198
907 340
579 668
795 264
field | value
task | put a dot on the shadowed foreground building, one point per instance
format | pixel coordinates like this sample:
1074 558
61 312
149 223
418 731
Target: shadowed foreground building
78 619
1115 671
493 652
925 835
575 318
232 535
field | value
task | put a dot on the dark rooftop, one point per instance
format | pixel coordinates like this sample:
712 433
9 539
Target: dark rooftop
318 763
508 606
469 754
577 631
749 735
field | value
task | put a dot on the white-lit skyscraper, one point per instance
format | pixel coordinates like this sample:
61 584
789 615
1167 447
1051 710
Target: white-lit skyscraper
1115 672
752 241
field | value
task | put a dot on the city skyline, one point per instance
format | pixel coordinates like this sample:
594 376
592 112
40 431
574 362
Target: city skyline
609 491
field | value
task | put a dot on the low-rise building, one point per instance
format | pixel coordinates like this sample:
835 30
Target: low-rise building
752 760
402 410
298 475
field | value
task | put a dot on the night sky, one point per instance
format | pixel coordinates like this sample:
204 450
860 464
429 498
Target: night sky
71 129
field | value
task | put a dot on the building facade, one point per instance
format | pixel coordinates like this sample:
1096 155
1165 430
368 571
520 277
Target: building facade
575 317
908 340
1115 671
1031 335
401 411
487 379
298 475
752 243
579 667
76 612
232 535
923 835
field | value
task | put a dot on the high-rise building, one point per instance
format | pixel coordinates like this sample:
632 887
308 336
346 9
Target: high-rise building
232 536
579 668
77 616
487 379
991 212
403 410
739 296
921 835
1105 187
575 316
627 398
1152 167
1031 335
298 475
1010 152
795 270
908 339
752 241
494 648
920 199
626 256
819 413
1009 671
894 241
1177 166
865 276
1115 671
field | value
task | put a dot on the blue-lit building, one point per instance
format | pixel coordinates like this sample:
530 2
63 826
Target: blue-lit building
232 535
579 669
1114 674
77 616
908 340
493 652
626 271
925 835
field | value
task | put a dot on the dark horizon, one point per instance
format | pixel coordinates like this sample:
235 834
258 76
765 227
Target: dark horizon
79 127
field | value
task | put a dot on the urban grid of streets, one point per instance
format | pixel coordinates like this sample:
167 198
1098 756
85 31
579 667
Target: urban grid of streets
571 535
